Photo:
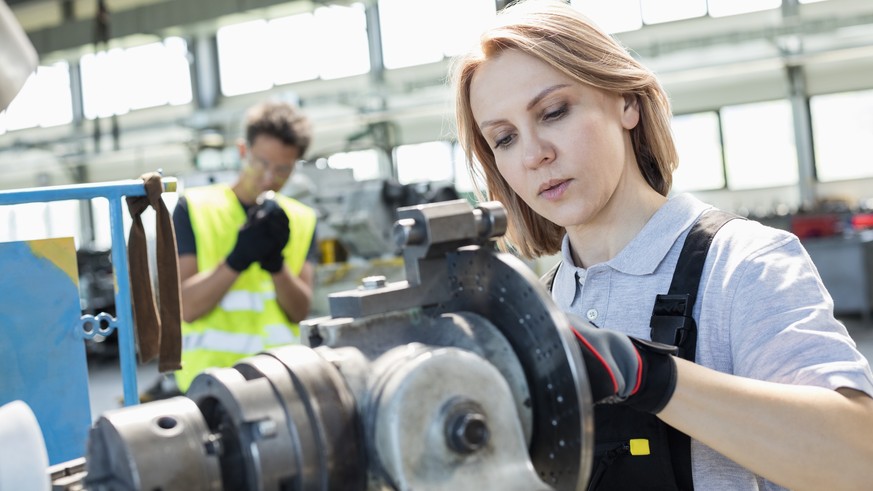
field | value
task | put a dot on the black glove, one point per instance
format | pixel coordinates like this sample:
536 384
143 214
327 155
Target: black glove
279 232
626 370
260 237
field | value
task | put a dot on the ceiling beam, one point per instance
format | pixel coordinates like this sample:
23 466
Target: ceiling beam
156 18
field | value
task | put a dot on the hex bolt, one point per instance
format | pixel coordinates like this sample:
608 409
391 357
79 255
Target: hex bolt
373 282
467 432
266 428
213 445
407 232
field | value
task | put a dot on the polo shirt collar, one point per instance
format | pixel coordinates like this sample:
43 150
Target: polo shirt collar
646 251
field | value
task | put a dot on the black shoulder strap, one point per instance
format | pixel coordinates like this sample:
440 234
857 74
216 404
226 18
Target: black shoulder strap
672 322
671 316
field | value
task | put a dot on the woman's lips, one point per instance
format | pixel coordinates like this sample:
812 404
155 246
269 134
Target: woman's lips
554 189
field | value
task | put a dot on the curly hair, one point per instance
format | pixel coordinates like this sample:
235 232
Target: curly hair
280 120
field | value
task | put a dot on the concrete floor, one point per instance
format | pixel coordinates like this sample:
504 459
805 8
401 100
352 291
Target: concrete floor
107 389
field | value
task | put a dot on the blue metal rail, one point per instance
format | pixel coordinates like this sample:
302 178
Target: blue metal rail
113 191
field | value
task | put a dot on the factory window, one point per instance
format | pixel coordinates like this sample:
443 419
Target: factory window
119 80
467 21
343 41
657 11
463 181
329 43
698 142
293 65
617 16
613 15
34 221
423 162
415 32
364 163
760 150
244 58
45 100
722 8
842 127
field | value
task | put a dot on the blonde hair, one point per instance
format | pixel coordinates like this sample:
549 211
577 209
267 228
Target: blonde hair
565 39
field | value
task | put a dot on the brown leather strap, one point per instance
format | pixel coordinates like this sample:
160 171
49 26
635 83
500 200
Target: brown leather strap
156 336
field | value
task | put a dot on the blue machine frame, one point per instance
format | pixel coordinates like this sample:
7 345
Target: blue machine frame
91 326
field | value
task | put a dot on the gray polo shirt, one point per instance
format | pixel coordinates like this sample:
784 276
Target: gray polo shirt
766 313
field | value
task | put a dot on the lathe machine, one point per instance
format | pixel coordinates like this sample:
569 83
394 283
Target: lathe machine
463 377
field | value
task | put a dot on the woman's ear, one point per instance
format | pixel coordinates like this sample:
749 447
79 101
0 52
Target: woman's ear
630 116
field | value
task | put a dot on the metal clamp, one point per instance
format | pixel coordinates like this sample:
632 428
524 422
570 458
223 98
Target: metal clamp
96 327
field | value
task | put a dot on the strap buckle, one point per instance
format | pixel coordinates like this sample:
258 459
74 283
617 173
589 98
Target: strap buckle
672 323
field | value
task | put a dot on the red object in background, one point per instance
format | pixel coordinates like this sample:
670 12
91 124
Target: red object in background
862 221
824 225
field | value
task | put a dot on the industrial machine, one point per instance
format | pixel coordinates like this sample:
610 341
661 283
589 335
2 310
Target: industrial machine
355 224
465 376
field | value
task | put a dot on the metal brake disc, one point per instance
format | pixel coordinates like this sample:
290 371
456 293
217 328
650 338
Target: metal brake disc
502 289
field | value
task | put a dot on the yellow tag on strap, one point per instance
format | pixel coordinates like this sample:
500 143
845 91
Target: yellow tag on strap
639 446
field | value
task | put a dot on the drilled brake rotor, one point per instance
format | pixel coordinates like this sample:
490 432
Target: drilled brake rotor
502 289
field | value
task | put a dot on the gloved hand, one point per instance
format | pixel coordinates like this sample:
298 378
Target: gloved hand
264 234
626 370
279 231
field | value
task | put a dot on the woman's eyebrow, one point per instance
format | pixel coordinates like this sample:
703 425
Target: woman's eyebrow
543 93
533 102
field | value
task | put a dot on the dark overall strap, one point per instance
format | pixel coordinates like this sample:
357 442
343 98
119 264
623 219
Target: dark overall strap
672 322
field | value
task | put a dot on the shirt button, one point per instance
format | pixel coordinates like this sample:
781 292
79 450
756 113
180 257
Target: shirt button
591 314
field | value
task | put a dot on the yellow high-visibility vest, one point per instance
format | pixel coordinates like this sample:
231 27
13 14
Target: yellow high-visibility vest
248 319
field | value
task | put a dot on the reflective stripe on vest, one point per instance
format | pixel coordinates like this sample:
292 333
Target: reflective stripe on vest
228 342
238 300
234 342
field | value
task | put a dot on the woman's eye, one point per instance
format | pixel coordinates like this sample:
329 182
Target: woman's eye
503 142
556 114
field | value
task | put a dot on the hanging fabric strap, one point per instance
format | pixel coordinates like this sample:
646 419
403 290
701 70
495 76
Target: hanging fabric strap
157 336
672 322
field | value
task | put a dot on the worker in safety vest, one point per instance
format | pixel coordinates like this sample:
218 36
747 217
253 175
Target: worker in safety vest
246 253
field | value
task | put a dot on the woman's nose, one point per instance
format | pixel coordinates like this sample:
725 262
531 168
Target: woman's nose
537 151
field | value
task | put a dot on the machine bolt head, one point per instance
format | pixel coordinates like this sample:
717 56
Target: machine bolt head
266 428
213 445
407 232
467 432
373 282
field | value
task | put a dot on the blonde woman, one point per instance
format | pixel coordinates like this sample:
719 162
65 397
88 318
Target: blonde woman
573 136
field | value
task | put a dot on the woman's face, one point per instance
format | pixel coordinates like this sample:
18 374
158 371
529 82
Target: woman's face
562 146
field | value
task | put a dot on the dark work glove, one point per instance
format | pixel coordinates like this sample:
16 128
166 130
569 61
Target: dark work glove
626 370
264 234
272 263
280 232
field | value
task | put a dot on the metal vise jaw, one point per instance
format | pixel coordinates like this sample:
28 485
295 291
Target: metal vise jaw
426 233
